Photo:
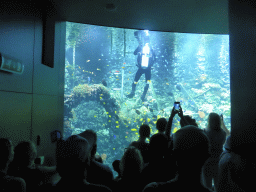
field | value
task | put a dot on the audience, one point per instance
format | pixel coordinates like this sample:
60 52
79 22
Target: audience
158 168
23 165
189 120
217 137
73 161
98 173
187 160
141 144
7 182
160 125
131 166
237 167
191 149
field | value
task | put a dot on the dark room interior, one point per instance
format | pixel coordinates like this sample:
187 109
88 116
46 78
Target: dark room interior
32 102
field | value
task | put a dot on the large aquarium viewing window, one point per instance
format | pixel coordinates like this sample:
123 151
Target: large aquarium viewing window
118 79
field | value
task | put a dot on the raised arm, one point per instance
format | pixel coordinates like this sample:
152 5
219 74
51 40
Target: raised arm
169 123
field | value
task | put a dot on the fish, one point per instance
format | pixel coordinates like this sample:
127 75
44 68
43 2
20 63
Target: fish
114 136
88 61
98 69
154 117
137 111
118 71
117 126
175 129
99 59
124 63
151 110
123 67
117 122
133 129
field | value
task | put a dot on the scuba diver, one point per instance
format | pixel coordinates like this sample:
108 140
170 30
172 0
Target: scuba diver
145 60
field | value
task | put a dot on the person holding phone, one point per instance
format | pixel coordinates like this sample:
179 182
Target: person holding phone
175 110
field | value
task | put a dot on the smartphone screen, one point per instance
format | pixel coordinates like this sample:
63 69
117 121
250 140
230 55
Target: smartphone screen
177 105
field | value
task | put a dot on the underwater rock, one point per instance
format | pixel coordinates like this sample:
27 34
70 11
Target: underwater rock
104 82
178 87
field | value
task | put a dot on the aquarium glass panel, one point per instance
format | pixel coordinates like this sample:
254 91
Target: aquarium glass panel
117 79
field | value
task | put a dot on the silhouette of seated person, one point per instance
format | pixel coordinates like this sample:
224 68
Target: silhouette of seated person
217 137
73 160
189 121
98 173
161 125
141 144
191 150
7 182
158 169
131 165
23 165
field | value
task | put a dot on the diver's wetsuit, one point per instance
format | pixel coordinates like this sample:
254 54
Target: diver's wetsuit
142 70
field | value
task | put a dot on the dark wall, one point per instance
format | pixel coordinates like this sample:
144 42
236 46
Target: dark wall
242 23
31 104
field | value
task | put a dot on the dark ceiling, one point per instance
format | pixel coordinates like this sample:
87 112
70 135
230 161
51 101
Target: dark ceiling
188 16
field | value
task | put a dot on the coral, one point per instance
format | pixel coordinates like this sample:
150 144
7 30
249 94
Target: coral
67 124
201 114
103 156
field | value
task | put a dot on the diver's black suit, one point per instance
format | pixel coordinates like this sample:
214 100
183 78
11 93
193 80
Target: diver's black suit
142 70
